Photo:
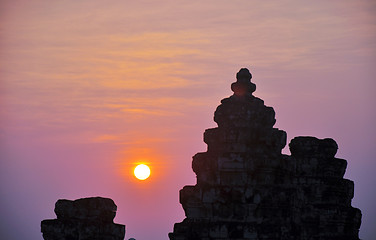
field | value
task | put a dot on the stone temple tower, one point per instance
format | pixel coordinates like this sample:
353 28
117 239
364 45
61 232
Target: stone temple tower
247 189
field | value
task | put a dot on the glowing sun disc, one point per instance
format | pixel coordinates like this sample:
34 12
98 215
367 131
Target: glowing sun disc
142 172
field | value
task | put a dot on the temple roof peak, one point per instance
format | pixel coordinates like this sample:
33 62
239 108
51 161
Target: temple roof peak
243 85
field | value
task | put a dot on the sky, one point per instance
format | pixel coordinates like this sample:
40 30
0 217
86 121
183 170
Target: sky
88 89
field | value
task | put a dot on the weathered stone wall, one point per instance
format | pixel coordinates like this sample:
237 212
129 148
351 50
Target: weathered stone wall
83 219
247 189
323 196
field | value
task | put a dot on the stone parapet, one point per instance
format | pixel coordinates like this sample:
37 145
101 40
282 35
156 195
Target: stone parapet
83 219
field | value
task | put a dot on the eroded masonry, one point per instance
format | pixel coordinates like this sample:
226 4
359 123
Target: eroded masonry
83 219
247 189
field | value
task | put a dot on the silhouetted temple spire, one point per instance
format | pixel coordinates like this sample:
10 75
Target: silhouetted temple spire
243 85
247 189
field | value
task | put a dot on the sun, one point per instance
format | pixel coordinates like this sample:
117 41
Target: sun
141 172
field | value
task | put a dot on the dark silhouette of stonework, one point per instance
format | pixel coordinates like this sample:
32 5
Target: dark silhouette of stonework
247 189
83 219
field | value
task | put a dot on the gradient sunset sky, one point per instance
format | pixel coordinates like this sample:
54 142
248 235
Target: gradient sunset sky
88 89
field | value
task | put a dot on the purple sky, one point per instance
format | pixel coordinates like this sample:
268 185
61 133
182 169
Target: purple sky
90 88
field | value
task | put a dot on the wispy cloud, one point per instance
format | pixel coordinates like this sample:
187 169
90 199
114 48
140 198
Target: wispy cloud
106 138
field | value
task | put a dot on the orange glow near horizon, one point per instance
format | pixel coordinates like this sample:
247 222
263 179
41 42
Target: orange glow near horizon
135 155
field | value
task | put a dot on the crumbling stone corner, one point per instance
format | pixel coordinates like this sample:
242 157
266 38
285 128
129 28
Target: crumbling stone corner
83 219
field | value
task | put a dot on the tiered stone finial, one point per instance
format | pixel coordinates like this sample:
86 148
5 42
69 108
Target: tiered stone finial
83 219
247 189
243 85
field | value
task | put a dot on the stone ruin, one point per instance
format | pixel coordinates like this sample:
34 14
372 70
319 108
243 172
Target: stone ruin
83 219
247 189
